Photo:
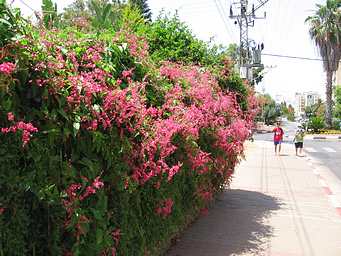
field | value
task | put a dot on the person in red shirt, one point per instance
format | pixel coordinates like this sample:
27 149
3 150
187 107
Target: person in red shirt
278 137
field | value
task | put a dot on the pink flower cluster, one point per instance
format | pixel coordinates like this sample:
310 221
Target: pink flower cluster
165 208
7 68
195 103
137 45
75 194
26 128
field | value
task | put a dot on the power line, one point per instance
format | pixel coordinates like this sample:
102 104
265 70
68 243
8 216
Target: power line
291 57
224 21
226 15
29 7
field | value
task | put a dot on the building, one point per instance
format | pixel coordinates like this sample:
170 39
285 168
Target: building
303 100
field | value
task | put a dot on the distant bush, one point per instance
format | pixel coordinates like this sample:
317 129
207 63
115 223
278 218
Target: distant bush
316 123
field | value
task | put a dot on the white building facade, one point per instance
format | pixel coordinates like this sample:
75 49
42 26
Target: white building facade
303 100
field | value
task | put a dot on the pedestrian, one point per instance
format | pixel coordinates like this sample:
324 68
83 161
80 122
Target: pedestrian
278 137
298 140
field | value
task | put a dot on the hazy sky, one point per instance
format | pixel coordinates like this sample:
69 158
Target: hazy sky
282 32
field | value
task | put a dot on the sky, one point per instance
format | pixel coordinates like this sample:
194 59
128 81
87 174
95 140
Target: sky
283 32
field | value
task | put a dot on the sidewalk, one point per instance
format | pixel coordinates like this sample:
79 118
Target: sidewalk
275 207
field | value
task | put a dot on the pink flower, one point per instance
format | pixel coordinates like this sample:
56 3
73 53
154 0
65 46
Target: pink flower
127 73
7 68
10 116
97 183
2 210
94 125
88 191
172 171
165 208
27 129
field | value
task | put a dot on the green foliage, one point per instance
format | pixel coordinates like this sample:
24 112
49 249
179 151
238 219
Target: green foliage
103 14
269 110
325 31
170 39
316 123
337 111
257 74
11 23
143 7
288 111
50 16
34 179
93 15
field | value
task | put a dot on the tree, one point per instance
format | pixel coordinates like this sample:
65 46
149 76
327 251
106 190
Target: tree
74 12
269 110
288 111
11 24
102 14
50 15
325 31
143 6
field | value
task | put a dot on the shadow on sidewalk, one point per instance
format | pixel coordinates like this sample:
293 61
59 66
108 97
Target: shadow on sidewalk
236 224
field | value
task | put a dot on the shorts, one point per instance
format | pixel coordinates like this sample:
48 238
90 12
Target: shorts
298 144
277 142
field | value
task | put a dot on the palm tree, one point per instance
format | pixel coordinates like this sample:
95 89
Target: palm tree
325 31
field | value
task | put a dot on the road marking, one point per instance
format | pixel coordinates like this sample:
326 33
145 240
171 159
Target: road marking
311 150
330 150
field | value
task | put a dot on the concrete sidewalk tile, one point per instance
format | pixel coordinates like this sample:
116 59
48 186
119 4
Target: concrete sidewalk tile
275 207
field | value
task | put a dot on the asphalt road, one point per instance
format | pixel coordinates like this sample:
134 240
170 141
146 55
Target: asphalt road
328 152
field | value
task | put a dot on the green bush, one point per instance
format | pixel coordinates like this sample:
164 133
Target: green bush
102 151
316 123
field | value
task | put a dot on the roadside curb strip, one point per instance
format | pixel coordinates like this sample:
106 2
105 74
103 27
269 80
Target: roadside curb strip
326 188
322 137
319 138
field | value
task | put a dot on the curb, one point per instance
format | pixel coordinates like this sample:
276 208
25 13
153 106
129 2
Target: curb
326 188
321 137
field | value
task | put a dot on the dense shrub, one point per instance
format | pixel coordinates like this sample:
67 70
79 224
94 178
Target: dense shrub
104 153
170 39
316 123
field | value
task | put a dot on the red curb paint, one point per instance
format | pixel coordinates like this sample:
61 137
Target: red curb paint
338 209
327 190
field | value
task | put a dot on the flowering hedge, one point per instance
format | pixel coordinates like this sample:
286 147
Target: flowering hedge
105 153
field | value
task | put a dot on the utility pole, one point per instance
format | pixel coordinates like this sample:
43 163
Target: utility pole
248 58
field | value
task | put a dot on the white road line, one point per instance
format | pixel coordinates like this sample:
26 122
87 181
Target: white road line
311 150
330 150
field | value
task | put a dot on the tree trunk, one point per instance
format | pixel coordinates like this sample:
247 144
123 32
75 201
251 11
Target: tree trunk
329 103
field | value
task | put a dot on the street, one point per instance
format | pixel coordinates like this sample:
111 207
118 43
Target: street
327 152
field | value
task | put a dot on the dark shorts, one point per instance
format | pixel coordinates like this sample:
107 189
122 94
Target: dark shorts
299 145
277 142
